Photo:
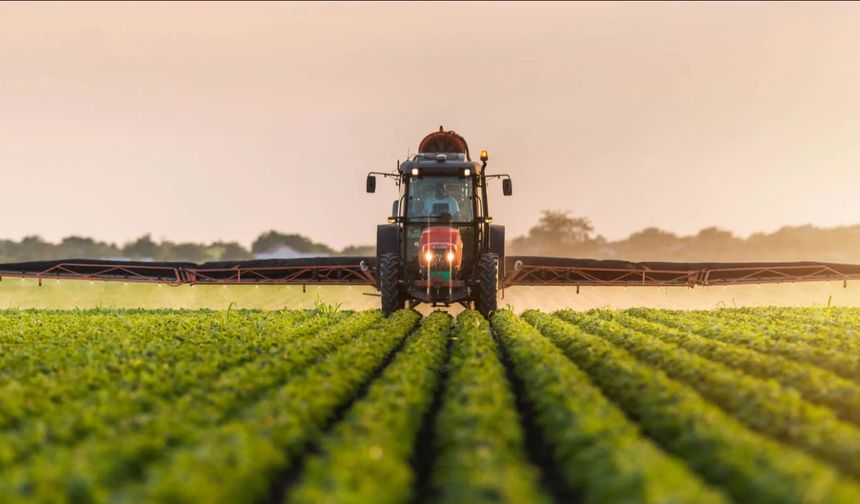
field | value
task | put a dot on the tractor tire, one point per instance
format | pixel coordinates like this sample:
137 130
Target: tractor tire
389 284
487 275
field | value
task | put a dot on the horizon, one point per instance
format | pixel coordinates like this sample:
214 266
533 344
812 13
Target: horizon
597 235
207 122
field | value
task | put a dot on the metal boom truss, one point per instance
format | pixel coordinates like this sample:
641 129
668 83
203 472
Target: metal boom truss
524 270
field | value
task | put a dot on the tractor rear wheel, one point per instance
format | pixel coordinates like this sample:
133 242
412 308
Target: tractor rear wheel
487 274
389 283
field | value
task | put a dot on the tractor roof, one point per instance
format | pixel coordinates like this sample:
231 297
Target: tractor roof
439 163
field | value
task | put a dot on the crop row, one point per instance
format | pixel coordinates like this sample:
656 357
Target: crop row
819 327
763 405
368 456
598 452
815 384
129 436
321 406
747 465
479 441
134 383
38 343
840 324
240 460
846 364
68 359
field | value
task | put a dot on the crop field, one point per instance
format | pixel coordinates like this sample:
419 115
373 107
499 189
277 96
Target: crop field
328 405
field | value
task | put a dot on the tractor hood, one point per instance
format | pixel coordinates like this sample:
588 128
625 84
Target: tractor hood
440 245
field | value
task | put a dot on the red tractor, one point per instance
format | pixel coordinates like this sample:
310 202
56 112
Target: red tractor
440 246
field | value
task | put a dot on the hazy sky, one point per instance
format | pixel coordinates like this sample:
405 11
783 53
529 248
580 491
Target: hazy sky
220 121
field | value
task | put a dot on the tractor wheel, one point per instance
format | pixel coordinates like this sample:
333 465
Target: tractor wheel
487 274
389 283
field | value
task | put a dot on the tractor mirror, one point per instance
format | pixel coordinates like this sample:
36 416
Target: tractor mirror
395 208
371 183
507 187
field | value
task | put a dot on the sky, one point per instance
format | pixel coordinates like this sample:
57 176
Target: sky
200 122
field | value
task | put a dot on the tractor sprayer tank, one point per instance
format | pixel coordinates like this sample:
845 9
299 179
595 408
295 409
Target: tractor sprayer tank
441 153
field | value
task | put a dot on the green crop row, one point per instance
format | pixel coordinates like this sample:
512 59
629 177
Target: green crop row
65 359
763 405
598 452
168 381
128 406
747 465
367 457
792 327
845 364
480 454
36 343
815 384
241 460
828 325
134 382
118 451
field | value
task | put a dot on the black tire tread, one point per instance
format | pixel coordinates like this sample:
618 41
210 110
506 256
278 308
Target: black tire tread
487 269
389 283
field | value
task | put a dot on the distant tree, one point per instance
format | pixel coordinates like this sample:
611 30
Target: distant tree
79 247
651 237
8 250
34 248
650 243
273 240
142 248
556 233
715 234
561 228
715 244
358 250
192 252
228 251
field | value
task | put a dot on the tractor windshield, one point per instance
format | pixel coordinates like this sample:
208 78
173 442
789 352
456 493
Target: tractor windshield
440 199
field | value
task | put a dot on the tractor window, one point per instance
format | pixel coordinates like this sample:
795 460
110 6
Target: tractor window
440 199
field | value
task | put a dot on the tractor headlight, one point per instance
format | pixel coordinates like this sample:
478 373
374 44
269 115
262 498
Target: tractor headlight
428 256
415 172
467 172
450 256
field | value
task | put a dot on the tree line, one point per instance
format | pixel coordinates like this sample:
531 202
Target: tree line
556 233
560 234
34 248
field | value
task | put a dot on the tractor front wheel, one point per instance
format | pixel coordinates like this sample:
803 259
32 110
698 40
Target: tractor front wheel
487 273
389 283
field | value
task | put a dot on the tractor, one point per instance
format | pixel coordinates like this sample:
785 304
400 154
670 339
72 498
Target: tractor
440 245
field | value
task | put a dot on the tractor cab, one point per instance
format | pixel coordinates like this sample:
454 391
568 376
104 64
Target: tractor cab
441 202
439 232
